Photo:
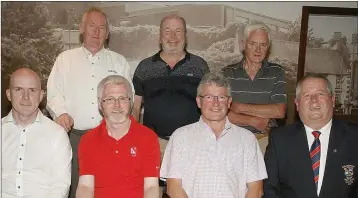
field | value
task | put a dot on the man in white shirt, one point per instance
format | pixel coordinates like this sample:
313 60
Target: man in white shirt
213 157
316 156
36 151
71 87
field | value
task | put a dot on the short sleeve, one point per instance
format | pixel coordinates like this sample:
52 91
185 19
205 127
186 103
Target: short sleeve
172 164
137 81
86 162
255 168
151 160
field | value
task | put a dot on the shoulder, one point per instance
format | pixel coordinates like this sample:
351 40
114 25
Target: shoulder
350 127
229 69
147 61
91 135
186 132
144 132
242 133
56 130
115 55
71 52
197 59
276 67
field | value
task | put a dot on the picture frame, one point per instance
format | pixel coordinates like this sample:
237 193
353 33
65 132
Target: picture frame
329 45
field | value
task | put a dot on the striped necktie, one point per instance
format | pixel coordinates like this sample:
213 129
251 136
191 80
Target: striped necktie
315 153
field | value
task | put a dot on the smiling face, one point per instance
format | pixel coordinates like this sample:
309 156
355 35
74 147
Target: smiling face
25 93
172 36
256 46
213 110
95 31
315 103
119 111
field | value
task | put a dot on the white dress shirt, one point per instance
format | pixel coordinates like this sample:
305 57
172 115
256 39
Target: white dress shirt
72 84
36 159
324 139
210 167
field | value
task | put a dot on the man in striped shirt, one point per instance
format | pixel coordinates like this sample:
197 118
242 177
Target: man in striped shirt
258 86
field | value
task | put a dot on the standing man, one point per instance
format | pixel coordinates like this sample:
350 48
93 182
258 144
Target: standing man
120 157
36 151
167 82
258 86
212 157
71 97
316 157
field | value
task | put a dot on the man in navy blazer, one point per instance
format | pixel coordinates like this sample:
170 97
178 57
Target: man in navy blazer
317 157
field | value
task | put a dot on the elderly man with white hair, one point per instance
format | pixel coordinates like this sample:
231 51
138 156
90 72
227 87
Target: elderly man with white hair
258 86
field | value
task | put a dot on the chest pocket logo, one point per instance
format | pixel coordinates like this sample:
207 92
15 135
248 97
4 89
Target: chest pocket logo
112 71
133 151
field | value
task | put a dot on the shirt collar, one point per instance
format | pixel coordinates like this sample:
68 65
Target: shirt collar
89 54
103 126
265 63
10 118
157 57
206 127
324 129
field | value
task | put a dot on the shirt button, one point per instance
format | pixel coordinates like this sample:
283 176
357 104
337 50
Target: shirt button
116 151
92 117
92 63
20 158
22 144
93 76
92 88
19 172
23 130
18 187
92 102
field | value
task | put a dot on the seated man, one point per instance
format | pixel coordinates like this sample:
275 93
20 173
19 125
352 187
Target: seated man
120 157
36 151
212 157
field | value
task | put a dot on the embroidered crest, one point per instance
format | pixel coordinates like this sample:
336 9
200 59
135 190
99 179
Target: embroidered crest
348 172
133 151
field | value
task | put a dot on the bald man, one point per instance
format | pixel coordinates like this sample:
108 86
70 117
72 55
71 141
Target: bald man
37 150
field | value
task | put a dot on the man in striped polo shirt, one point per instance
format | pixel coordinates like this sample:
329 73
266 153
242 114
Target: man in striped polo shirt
258 86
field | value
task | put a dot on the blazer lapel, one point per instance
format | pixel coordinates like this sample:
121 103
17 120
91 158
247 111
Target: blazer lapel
335 140
302 160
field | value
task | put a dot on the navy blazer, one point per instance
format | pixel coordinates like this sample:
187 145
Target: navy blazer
289 165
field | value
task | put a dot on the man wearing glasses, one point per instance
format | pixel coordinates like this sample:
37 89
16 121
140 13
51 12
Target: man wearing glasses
213 157
120 157
258 86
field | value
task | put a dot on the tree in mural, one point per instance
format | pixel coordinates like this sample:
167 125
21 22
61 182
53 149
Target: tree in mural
294 35
27 39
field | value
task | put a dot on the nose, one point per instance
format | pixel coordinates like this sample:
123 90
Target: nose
314 98
257 48
25 95
96 30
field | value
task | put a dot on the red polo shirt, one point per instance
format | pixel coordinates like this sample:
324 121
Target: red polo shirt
119 167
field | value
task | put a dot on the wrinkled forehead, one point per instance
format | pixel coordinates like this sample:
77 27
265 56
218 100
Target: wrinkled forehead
173 23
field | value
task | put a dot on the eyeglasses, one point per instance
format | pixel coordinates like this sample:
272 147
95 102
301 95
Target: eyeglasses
211 98
112 100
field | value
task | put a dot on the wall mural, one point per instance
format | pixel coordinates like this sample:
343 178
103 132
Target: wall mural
34 33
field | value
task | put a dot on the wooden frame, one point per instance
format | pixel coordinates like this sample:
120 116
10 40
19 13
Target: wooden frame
333 12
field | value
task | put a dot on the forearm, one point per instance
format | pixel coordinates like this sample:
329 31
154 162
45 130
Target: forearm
177 193
255 190
152 192
84 192
244 120
260 110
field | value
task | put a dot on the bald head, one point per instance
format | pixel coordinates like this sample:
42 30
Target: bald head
173 16
25 72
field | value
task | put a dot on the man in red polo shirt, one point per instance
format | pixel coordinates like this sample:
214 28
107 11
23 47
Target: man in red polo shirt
120 157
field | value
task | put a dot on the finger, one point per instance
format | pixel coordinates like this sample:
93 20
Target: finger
67 123
62 123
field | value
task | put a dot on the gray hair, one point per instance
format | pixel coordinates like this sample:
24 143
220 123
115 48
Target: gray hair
84 18
216 78
173 16
257 26
116 80
317 76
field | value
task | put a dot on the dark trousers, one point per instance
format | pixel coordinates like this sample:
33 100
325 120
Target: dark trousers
75 136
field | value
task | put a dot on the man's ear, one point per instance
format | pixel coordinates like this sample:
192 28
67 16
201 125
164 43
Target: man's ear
198 102
8 95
